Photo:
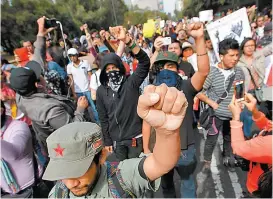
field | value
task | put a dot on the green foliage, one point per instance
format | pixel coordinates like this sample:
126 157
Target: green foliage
18 21
222 2
192 7
137 16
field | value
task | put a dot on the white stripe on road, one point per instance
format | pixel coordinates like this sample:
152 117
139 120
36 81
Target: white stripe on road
216 178
233 176
200 177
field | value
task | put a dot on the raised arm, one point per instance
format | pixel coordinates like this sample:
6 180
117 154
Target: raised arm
157 45
143 60
121 48
196 30
164 109
258 149
40 49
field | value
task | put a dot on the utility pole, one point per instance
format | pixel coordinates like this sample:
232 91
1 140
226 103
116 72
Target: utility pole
114 11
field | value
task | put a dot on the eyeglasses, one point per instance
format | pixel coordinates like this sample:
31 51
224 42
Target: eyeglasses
252 46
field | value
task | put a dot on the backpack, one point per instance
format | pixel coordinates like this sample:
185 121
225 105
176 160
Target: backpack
117 187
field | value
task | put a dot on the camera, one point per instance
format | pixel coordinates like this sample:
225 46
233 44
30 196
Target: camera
237 161
49 23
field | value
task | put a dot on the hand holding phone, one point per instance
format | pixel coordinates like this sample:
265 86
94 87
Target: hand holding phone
166 41
239 91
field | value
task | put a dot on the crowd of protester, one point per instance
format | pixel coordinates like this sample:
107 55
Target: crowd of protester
73 104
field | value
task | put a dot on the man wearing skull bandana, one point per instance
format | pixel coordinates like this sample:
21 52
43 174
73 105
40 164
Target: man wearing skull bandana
117 99
166 70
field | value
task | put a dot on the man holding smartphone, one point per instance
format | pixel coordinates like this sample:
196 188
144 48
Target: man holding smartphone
217 93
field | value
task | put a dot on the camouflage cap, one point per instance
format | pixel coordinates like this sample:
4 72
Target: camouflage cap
72 149
167 56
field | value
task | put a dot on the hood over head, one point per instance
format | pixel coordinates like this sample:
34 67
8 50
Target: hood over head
110 58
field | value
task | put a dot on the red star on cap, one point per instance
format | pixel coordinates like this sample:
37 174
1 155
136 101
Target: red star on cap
59 150
165 54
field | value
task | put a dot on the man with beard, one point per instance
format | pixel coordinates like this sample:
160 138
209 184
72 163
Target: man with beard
77 157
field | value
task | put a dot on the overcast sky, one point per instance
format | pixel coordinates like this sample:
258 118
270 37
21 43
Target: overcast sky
169 6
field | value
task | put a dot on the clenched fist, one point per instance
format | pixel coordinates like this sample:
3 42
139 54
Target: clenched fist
196 30
162 107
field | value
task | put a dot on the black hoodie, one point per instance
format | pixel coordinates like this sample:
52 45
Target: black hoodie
118 110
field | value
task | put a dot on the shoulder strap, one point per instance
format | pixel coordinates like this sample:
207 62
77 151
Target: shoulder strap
96 78
228 89
252 78
116 184
8 177
61 191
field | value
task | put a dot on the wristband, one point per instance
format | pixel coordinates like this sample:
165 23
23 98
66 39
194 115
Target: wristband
202 54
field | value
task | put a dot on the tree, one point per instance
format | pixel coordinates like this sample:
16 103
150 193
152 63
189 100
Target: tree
139 16
19 19
192 7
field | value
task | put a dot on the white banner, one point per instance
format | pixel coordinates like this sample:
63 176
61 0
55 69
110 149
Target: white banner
235 25
206 15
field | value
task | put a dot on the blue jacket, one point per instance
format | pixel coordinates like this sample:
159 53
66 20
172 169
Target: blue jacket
54 66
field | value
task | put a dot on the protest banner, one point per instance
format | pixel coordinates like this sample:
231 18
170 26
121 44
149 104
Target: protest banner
149 28
235 26
162 23
206 15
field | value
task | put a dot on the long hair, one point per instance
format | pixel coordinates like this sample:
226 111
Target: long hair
244 43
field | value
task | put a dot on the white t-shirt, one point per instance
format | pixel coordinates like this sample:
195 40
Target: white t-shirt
260 31
227 73
193 61
95 80
80 75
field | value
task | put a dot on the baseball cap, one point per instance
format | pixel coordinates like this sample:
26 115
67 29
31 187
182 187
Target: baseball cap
103 49
167 56
35 66
72 149
72 51
23 80
186 45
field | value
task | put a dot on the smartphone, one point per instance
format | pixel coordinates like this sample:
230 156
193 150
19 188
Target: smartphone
166 41
50 23
239 91
22 54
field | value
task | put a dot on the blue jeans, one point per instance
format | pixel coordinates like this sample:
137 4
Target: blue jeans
87 94
185 168
246 118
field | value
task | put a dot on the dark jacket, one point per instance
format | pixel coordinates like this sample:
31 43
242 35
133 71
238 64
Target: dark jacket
48 113
118 110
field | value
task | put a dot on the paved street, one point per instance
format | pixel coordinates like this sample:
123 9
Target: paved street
220 183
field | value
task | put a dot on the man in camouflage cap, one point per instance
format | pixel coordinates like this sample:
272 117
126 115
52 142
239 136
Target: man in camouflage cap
77 157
